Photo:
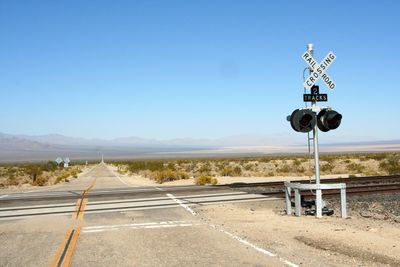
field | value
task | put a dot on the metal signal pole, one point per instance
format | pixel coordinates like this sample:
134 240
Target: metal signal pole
318 196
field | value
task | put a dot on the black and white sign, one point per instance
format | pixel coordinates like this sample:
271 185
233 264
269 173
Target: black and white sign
319 70
315 98
59 160
315 90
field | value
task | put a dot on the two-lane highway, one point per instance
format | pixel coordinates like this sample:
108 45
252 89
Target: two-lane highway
100 219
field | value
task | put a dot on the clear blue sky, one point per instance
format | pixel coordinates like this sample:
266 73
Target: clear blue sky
201 69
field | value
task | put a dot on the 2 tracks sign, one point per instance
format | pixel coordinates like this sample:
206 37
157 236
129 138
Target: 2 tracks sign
315 96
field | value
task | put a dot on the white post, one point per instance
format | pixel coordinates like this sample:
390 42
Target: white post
297 202
318 200
343 208
288 193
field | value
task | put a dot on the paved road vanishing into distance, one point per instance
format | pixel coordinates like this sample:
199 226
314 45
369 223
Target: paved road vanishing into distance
100 219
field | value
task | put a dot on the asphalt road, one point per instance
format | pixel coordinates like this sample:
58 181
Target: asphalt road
101 220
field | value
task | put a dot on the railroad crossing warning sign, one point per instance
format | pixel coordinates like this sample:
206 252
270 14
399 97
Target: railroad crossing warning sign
319 70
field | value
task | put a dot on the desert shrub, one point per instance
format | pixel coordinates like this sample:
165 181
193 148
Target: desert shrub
50 166
168 176
264 160
33 171
232 171
60 178
355 167
296 162
205 168
377 156
205 179
11 180
301 170
327 167
304 159
189 167
249 167
390 165
285 168
171 166
136 166
37 174
329 157
40 181
74 173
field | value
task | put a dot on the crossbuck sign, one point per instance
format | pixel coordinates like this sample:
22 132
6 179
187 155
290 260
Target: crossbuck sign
319 70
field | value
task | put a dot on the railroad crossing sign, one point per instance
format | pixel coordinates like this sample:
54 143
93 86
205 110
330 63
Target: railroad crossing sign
319 70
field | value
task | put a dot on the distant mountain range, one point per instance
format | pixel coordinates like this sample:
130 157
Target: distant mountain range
48 147
57 139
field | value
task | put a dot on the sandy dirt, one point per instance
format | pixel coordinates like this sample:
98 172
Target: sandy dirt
330 241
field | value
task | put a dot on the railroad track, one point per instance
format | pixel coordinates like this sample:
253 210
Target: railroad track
348 181
351 190
157 202
355 186
43 203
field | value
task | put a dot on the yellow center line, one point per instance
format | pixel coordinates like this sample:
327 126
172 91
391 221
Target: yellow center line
64 253
60 249
85 201
70 250
77 205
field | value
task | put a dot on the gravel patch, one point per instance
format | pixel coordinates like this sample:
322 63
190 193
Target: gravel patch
375 206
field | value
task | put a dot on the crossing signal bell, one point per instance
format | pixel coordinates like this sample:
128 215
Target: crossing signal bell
304 120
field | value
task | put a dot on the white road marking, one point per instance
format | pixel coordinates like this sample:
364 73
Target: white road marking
122 181
119 178
151 225
132 224
3 196
159 189
241 240
186 207
93 231
257 248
